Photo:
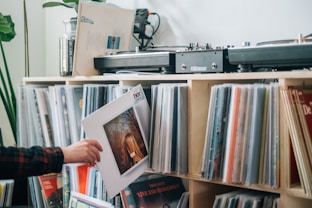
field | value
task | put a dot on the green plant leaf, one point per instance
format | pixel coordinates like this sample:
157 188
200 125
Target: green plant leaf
71 1
66 3
7 94
10 111
7 32
54 4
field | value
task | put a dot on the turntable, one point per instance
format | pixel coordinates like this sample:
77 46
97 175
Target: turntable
265 56
156 61
181 61
279 55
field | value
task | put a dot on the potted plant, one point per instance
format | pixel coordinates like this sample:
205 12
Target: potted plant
7 94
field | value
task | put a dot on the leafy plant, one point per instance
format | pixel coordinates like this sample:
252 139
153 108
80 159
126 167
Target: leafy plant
66 3
7 94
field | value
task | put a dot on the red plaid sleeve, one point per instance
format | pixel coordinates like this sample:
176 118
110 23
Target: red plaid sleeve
23 162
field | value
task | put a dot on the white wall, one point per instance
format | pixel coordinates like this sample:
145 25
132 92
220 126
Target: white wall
14 52
218 22
229 22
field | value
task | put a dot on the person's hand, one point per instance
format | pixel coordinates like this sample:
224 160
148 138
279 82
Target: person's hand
84 151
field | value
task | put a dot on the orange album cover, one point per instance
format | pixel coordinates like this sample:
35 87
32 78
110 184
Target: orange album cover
232 136
51 185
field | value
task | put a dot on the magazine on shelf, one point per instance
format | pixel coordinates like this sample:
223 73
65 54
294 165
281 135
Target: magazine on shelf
122 128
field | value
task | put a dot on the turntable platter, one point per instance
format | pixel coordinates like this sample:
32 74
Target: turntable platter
300 39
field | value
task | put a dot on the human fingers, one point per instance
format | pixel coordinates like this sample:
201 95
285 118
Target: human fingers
95 149
95 143
82 151
94 153
91 149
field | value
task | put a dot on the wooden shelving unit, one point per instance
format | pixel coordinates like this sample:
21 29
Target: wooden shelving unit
202 192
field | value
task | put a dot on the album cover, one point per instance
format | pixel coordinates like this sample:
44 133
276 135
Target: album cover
122 128
163 191
102 29
78 200
52 189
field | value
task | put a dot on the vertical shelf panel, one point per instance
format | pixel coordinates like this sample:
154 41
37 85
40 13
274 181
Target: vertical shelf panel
198 95
198 101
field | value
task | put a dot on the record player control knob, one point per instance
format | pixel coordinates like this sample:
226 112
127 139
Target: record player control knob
183 67
214 65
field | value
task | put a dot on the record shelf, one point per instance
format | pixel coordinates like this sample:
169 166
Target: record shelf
202 191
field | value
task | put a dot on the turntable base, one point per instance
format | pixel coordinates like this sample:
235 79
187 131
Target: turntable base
276 56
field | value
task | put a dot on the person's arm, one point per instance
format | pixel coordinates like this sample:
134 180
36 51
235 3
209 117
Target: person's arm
23 162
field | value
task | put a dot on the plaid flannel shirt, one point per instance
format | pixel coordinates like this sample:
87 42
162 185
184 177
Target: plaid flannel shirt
23 162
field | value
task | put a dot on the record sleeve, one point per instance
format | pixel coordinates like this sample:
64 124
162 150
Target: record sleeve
122 128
